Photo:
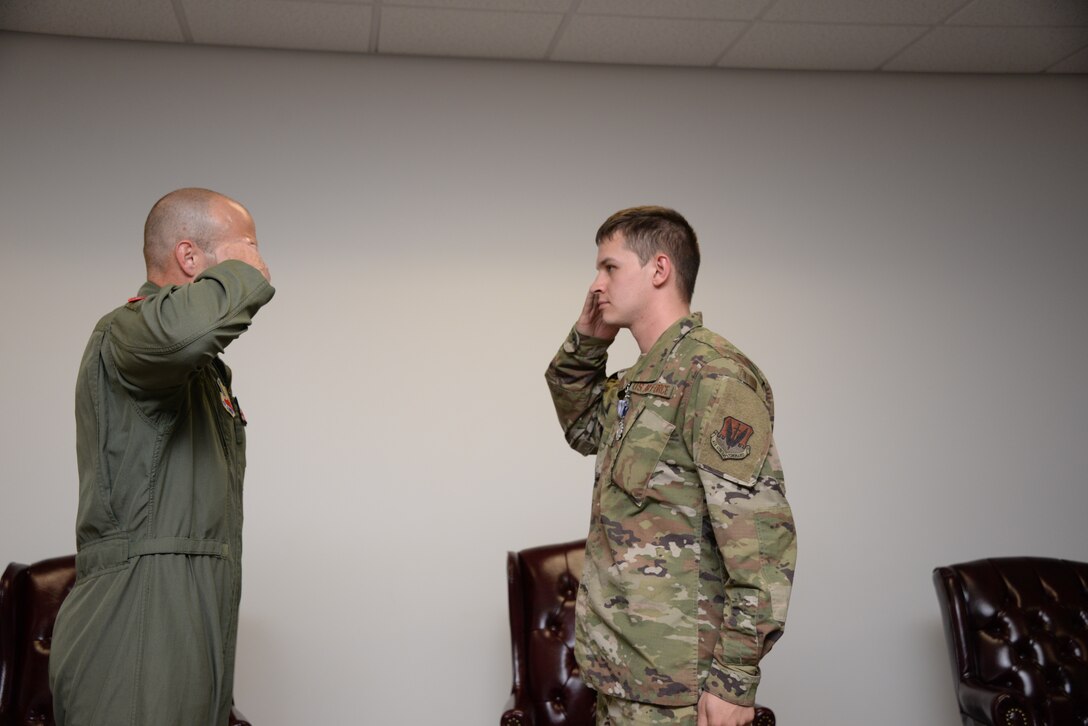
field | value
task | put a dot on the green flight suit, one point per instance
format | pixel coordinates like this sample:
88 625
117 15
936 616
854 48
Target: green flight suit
147 635
691 547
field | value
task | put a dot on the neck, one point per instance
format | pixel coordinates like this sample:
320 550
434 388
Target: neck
165 279
648 328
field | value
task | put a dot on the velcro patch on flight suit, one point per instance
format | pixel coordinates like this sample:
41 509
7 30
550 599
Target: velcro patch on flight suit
735 433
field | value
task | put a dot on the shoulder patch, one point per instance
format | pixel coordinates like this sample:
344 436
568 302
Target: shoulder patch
734 434
732 441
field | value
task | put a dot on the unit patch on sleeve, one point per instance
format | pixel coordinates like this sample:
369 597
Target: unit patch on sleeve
732 441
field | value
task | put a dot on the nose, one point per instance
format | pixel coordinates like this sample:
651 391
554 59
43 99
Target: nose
598 283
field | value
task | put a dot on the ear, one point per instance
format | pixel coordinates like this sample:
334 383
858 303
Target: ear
662 271
185 254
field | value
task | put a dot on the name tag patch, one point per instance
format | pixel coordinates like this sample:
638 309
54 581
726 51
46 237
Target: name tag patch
664 390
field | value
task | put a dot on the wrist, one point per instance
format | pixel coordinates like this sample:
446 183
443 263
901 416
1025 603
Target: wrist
585 341
735 684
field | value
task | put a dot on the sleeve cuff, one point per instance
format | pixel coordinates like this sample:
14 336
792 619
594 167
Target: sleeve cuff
236 267
585 344
251 279
736 684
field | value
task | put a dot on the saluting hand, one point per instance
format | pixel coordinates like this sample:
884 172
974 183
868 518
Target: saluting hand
591 323
246 251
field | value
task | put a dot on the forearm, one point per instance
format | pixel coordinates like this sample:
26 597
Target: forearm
576 380
157 342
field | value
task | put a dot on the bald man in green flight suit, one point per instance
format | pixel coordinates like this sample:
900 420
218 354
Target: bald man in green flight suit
147 635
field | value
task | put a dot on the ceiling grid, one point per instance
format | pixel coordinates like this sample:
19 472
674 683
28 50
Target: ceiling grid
934 36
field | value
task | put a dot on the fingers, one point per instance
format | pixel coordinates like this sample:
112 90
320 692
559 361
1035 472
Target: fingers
589 307
587 320
245 252
713 711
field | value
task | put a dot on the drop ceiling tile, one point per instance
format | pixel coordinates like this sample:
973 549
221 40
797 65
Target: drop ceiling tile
901 12
128 19
819 47
989 50
516 6
280 24
466 33
650 41
1076 63
1019 12
713 9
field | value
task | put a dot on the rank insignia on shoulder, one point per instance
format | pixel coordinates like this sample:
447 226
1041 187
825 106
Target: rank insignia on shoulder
732 441
136 299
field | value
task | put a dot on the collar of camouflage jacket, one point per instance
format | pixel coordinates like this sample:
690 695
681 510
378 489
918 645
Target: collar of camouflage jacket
651 365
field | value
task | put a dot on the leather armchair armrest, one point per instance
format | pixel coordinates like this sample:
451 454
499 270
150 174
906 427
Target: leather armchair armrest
237 719
516 714
764 716
993 706
8 625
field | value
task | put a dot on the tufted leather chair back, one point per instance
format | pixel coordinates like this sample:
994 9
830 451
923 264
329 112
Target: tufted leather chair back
30 596
543 586
1017 630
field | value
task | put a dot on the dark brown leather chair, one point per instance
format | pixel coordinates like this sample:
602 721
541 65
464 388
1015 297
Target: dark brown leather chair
30 596
1017 631
547 690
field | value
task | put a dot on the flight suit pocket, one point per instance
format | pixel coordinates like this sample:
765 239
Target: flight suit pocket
640 452
239 424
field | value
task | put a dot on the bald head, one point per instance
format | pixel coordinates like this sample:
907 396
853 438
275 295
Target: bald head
199 216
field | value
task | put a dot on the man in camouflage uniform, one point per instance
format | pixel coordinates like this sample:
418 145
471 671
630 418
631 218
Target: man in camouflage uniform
691 547
147 635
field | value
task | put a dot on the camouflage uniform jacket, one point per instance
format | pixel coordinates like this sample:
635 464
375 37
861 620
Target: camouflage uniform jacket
691 547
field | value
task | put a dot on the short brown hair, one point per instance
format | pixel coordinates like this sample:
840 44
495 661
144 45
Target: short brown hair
649 230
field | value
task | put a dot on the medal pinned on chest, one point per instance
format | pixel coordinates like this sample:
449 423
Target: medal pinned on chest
622 405
225 399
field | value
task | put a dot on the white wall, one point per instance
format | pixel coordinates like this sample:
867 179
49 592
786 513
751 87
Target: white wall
903 255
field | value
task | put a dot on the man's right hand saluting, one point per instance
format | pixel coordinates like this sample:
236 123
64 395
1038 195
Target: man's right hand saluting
591 322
